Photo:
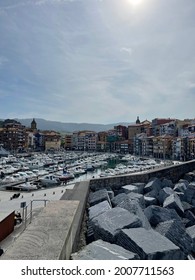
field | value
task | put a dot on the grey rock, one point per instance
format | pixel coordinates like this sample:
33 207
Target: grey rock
191 232
110 194
184 181
138 197
190 216
187 206
153 185
130 188
140 186
133 207
157 214
108 224
98 196
149 200
101 250
175 231
118 199
189 177
148 244
189 193
180 187
166 183
173 202
98 209
164 193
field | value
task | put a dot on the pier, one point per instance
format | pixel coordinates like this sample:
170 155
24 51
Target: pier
62 220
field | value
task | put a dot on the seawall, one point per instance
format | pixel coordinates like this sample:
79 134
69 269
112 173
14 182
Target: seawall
173 173
55 232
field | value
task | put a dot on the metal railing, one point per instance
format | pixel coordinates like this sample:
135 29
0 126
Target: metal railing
26 216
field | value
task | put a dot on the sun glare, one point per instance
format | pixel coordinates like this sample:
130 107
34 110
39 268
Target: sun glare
135 2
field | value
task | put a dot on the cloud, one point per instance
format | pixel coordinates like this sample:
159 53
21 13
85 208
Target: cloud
127 50
96 60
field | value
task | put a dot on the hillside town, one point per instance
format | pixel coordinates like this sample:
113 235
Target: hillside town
163 138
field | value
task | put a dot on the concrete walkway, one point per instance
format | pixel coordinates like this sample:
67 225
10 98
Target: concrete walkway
48 237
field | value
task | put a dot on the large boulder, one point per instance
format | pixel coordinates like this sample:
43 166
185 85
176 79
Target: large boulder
138 197
118 199
133 207
189 194
173 202
175 231
180 187
140 186
98 196
149 244
166 183
153 186
191 232
157 214
149 200
101 250
109 223
164 193
130 188
98 209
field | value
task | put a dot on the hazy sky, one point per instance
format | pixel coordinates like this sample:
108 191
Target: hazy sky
97 61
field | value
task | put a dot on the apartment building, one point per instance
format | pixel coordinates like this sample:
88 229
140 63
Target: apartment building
157 123
68 141
51 139
162 147
84 140
13 135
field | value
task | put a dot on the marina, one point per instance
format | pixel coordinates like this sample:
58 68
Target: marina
26 190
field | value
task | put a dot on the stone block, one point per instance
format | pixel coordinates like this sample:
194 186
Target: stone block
191 232
138 197
190 216
180 187
140 186
190 176
164 193
133 207
175 231
107 224
98 209
154 185
98 196
130 188
189 193
149 200
166 183
173 202
148 244
184 181
101 250
157 214
118 199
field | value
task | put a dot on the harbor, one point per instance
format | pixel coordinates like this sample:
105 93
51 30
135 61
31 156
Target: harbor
29 195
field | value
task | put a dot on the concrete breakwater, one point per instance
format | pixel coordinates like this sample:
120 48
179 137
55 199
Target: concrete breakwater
147 220
138 208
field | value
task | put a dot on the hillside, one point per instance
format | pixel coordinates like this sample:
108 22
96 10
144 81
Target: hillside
68 127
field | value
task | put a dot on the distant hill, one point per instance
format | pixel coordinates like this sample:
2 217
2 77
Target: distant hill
68 127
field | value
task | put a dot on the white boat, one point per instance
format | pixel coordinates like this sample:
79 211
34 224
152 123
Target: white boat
27 187
78 170
64 176
50 180
7 180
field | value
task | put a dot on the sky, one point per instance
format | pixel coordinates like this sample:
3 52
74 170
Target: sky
97 61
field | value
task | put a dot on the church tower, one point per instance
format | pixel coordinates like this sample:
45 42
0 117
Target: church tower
137 121
33 124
